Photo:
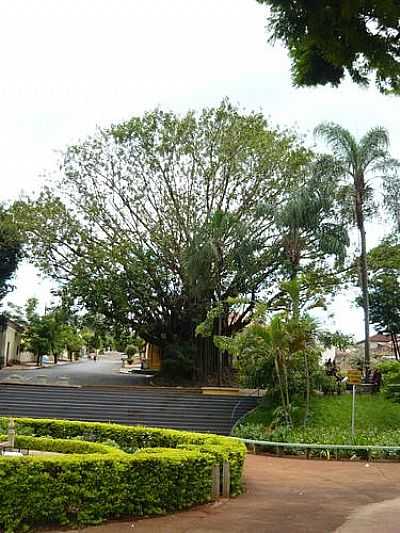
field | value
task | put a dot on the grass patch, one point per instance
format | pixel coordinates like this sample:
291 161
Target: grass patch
377 422
372 412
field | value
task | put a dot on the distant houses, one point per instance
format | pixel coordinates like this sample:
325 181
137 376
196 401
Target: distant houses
381 348
379 344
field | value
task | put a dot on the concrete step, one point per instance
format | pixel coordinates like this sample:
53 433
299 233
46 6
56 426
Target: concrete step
151 407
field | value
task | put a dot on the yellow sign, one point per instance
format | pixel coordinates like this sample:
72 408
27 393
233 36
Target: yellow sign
354 377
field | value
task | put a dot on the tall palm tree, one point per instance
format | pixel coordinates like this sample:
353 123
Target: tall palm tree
356 160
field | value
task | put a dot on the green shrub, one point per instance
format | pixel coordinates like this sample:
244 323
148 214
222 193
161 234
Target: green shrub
92 481
390 371
389 367
130 351
221 453
250 430
327 384
61 445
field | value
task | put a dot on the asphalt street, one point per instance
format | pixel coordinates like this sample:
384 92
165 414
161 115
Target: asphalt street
104 371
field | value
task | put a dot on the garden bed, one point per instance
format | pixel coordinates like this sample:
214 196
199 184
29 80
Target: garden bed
328 431
108 471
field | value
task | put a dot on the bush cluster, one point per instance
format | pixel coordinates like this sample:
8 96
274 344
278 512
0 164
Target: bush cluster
131 351
145 471
390 371
28 442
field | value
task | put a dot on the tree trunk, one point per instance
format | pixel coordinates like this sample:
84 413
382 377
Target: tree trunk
289 416
363 266
365 298
210 365
282 391
395 343
219 353
308 388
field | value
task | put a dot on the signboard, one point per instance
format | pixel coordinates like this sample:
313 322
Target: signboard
354 377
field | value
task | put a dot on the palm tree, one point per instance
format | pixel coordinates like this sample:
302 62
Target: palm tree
355 160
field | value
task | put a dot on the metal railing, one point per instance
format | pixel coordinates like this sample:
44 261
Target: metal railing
306 446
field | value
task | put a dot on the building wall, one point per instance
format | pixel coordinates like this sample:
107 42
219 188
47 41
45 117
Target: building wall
329 353
25 357
10 339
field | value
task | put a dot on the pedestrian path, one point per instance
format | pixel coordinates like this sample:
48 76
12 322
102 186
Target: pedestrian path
382 517
291 496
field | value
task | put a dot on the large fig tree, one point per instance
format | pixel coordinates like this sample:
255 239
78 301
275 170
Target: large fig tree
154 221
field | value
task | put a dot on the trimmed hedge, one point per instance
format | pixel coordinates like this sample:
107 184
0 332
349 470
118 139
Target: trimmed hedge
147 471
27 442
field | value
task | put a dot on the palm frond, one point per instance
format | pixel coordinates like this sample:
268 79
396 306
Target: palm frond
341 141
373 147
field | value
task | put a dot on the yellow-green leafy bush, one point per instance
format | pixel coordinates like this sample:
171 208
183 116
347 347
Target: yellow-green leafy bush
146 471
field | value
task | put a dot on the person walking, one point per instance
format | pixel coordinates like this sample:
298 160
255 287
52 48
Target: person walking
376 380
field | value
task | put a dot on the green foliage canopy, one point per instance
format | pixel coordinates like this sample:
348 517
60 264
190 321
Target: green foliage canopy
384 294
328 38
155 220
10 250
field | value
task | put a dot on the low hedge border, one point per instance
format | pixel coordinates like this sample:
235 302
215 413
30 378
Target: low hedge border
148 471
75 446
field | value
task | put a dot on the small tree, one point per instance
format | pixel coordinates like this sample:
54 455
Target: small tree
384 304
280 353
130 351
43 334
384 297
277 350
72 340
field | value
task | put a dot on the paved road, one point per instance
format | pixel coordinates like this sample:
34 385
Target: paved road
291 496
105 371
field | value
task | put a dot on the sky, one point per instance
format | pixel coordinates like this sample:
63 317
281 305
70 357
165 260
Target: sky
69 66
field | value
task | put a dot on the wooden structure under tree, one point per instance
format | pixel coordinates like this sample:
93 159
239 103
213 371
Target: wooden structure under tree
153 356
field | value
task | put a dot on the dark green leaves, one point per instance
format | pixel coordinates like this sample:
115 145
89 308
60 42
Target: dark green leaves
10 250
328 38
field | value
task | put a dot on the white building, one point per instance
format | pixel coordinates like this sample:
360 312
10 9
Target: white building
10 341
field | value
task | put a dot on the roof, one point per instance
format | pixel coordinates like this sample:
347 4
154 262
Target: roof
378 337
7 322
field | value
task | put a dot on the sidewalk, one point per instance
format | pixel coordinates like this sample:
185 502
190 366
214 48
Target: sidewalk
290 496
383 517
34 366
